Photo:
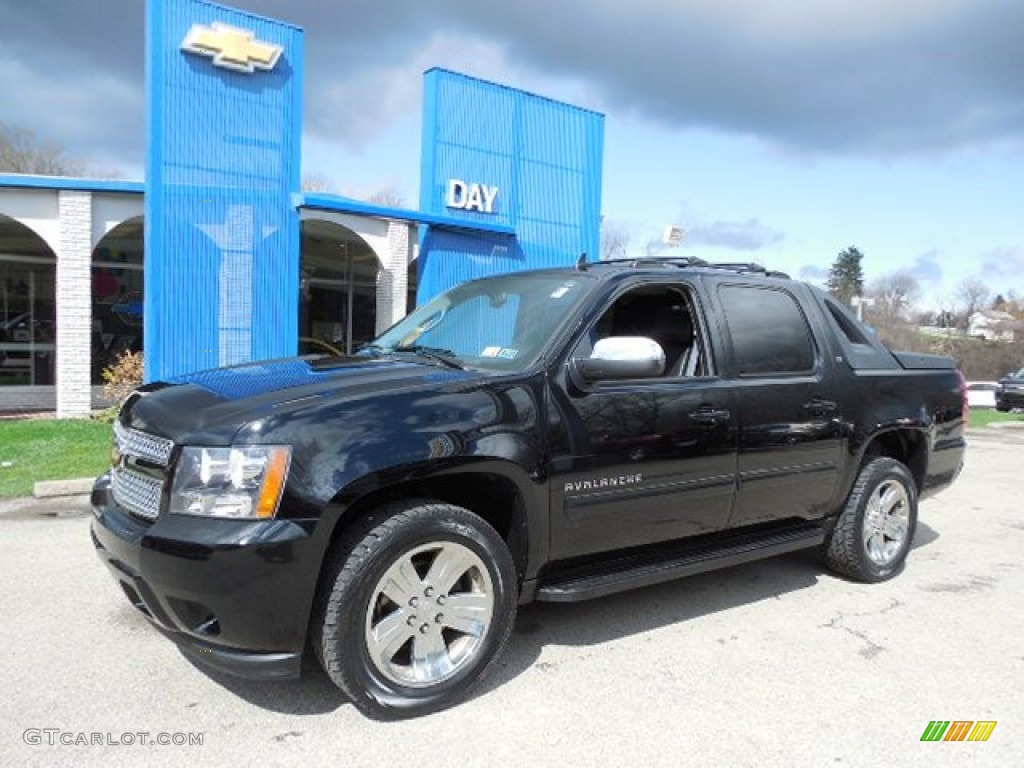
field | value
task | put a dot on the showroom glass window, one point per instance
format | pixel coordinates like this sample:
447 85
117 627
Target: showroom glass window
28 329
117 297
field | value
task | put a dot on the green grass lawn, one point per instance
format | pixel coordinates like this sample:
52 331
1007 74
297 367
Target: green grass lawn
982 418
50 449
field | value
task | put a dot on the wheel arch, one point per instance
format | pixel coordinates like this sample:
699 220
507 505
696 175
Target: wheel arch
907 446
496 491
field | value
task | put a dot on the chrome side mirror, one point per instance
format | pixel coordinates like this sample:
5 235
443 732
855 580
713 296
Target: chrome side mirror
623 357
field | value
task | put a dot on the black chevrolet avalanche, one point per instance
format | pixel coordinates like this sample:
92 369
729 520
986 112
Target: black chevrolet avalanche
552 435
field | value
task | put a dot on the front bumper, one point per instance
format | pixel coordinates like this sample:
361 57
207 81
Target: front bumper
1009 399
234 595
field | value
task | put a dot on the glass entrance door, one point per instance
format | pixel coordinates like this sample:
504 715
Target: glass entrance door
338 284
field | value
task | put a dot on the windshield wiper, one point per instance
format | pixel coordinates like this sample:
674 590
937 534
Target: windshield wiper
443 356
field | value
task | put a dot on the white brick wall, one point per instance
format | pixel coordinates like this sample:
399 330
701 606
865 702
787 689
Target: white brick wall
392 282
74 303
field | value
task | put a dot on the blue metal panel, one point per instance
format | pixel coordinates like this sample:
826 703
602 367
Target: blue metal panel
222 235
543 156
330 202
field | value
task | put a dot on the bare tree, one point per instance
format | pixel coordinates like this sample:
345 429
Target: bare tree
1014 304
615 237
387 196
971 294
893 293
23 151
316 182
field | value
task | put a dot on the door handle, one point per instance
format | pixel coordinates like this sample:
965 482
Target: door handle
709 416
818 406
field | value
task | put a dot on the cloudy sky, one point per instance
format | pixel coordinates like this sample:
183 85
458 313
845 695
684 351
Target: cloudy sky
778 131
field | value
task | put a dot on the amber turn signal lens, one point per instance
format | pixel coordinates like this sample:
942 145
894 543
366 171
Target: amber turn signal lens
273 482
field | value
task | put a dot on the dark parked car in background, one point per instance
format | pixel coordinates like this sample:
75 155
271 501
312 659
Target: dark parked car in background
1010 394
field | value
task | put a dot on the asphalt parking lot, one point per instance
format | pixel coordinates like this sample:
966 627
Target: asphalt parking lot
775 663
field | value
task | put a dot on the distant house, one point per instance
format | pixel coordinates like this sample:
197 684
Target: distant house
995 325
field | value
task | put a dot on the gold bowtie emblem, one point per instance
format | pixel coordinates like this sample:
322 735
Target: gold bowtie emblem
231 47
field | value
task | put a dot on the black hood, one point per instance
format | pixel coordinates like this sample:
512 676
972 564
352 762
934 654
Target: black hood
209 407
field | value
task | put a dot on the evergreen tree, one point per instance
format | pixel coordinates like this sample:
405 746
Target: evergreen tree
846 278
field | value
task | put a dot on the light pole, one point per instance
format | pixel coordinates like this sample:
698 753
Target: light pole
860 302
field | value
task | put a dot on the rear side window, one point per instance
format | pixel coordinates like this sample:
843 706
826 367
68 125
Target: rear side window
860 345
846 324
768 330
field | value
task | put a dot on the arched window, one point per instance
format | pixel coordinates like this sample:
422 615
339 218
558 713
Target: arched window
117 285
338 289
28 317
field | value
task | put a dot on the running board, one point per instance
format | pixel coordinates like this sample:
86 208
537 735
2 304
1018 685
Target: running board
642 570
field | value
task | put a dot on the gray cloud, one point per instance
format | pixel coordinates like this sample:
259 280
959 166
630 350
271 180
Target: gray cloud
749 235
870 76
867 76
1003 269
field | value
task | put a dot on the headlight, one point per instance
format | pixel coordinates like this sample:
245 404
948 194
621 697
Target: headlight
242 482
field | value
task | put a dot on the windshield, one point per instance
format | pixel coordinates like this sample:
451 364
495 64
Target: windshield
496 323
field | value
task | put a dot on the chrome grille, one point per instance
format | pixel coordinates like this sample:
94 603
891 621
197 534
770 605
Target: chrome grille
137 493
132 442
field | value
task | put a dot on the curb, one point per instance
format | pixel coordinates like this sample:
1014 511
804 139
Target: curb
48 489
27 507
1011 425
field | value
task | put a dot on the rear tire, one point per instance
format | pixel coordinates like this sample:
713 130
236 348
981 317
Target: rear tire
873 534
414 606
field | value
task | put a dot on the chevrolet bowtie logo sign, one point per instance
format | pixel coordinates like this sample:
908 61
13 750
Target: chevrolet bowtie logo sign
231 47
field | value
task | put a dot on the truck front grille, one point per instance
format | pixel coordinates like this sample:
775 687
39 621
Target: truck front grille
132 442
137 493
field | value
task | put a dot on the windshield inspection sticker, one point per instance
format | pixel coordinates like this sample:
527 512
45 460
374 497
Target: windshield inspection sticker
490 352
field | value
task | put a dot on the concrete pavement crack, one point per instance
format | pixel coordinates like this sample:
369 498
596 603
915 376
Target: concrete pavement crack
871 648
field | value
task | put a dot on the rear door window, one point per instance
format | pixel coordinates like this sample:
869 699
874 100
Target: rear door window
769 332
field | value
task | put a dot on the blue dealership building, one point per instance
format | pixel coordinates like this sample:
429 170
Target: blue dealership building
219 257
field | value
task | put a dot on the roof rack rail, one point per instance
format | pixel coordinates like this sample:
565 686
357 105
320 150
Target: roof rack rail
748 267
668 261
738 266
692 261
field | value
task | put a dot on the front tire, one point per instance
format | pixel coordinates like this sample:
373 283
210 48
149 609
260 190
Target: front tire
873 534
415 604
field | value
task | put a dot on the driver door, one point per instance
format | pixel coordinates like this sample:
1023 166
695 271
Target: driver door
646 460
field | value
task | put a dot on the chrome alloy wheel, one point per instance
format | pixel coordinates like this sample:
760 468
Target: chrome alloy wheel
429 613
886 522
